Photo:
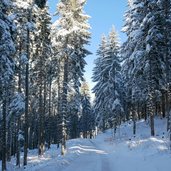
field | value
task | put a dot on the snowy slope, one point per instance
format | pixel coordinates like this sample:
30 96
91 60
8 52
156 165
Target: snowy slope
124 152
140 153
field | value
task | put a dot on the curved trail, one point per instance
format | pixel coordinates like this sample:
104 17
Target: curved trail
139 153
92 158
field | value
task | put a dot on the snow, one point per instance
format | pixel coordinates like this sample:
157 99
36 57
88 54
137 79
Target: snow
116 103
108 152
20 136
148 48
22 4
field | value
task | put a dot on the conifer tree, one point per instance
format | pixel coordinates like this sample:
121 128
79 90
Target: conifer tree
146 60
132 52
74 112
87 117
98 78
7 50
107 75
70 39
41 65
114 82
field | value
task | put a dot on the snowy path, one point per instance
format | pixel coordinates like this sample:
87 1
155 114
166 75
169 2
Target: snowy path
125 153
102 154
91 159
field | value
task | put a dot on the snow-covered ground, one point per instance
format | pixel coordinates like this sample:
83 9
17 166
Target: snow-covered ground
124 152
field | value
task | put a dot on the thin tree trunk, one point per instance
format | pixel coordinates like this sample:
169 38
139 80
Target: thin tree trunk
145 110
64 105
4 134
138 111
151 112
152 123
167 5
49 120
18 144
167 110
9 139
41 144
27 95
17 150
134 126
134 120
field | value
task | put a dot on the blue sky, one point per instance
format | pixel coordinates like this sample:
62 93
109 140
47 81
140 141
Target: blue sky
104 14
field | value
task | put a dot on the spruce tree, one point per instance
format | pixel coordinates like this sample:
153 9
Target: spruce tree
7 50
114 82
87 117
70 38
146 63
98 78
41 64
107 75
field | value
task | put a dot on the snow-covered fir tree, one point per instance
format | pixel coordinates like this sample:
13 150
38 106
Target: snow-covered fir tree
114 82
7 66
19 10
132 52
107 75
74 112
87 120
164 10
70 37
41 66
98 78
146 63
153 60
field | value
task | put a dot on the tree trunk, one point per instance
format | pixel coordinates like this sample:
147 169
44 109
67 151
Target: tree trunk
134 120
41 130
168 108
64 105
152 123
4 134
151 112
134 126
9 139
164 102
49 118
18 144
138 111
151 107
27 95
145 111
167 5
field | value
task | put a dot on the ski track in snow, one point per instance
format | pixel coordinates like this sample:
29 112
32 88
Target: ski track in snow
91 159
105 165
